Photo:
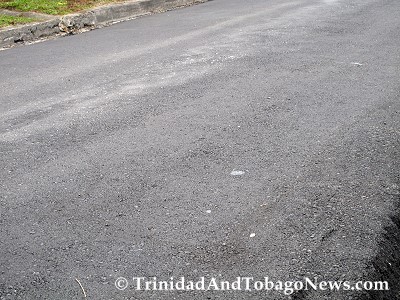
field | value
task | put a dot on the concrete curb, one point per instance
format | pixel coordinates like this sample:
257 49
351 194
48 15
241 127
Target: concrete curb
87 20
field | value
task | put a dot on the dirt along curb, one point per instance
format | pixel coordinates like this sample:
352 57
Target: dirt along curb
87 20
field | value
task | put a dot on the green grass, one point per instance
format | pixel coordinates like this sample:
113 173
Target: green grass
51 7
12 20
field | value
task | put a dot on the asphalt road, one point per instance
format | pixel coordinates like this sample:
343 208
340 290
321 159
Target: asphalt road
232 138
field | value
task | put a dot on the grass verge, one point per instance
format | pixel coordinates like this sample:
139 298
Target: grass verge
13 20
51 7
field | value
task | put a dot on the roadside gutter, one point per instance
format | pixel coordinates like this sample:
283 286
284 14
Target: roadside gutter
87 20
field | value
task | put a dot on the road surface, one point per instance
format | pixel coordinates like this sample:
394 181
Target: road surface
232 138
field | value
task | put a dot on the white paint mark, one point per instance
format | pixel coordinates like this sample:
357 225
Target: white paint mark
208 211
237 173
252 235
356 64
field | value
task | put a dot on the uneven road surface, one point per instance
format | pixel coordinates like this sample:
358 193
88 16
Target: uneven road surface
234 138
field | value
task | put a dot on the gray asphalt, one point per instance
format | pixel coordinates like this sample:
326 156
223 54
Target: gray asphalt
118 145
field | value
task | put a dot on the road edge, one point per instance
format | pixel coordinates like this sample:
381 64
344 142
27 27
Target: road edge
87 20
